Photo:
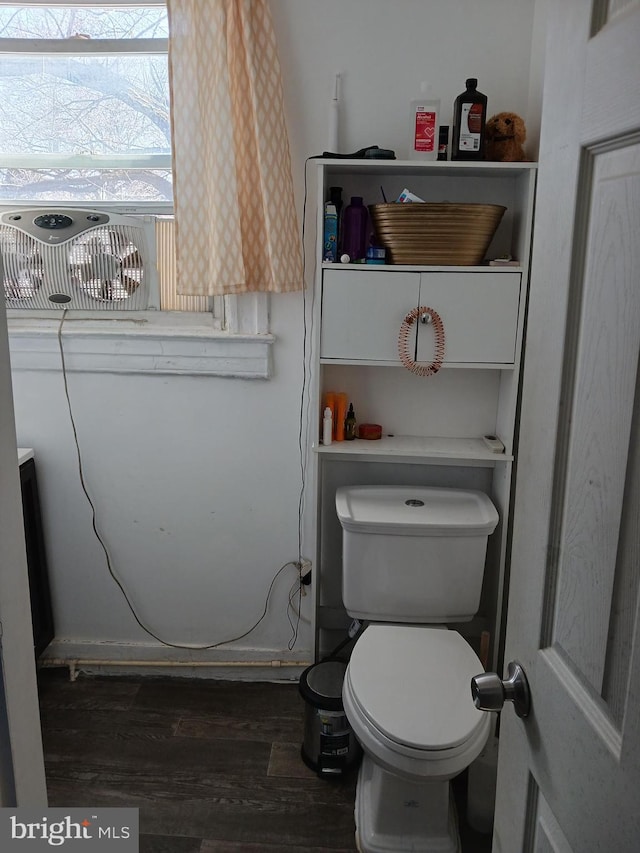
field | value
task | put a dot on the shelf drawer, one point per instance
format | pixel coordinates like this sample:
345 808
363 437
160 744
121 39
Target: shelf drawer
362 311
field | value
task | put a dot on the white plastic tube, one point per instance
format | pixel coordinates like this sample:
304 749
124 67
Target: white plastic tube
334 118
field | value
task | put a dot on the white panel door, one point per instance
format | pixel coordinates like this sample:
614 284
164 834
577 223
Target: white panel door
569 774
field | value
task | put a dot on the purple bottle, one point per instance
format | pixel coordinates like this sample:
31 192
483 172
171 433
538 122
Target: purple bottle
354 229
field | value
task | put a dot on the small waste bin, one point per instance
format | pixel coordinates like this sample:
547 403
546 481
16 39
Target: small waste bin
330 746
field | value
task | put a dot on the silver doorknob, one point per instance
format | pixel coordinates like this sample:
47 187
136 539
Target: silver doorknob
490 692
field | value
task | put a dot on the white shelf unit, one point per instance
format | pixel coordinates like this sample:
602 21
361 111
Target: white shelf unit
432 427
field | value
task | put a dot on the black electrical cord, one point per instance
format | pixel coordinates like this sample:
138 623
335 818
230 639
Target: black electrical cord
306 376
296 589
306 335
106 552
341 645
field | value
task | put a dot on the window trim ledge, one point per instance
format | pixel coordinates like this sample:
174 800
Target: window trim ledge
156 344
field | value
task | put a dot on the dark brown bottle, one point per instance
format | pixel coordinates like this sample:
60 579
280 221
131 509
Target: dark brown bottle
469 118
350 424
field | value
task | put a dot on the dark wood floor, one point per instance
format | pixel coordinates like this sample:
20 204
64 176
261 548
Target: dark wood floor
213 766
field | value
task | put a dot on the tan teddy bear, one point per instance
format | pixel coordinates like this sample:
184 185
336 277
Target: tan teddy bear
505 134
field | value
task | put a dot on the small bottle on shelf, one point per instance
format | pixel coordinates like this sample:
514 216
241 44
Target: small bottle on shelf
443 142
354 229
335 198
350 424
327 427
341 414
424 125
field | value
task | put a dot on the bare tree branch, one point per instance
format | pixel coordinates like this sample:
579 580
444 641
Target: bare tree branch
154 106
83 105
72 184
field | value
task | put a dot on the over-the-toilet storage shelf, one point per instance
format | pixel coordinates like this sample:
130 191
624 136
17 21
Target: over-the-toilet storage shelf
432 427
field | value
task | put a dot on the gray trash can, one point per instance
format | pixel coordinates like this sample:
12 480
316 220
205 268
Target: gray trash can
330 746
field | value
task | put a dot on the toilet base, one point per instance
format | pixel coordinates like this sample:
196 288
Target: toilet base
394 815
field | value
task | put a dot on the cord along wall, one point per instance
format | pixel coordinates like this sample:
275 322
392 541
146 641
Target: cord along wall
196 544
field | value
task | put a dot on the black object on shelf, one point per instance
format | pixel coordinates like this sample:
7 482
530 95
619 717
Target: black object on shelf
469 118
41 611
372 152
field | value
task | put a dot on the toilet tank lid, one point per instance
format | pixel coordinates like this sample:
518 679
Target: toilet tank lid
415 510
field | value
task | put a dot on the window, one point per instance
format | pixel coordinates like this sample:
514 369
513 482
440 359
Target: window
84 104
85 115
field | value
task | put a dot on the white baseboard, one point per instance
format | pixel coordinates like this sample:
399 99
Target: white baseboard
156 660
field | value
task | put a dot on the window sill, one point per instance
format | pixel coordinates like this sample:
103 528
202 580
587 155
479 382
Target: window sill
157 343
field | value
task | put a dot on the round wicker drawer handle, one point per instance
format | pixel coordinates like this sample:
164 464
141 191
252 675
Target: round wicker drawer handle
430 316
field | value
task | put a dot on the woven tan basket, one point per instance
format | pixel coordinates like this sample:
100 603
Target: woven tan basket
435 233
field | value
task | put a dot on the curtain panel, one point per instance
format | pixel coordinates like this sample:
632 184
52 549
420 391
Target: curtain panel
236 223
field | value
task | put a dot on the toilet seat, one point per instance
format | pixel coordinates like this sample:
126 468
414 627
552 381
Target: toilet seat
407 694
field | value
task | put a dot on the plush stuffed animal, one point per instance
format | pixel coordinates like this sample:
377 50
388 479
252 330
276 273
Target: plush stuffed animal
505 134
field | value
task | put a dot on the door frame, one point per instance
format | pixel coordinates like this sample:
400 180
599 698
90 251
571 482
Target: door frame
22 774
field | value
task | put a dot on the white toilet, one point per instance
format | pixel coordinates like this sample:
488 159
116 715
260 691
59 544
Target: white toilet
413 560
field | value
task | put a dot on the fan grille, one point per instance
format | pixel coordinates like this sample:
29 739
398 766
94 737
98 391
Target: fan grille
21 264
106 264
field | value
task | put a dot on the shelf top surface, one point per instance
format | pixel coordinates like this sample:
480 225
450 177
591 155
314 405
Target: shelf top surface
416 447
482 268
435 167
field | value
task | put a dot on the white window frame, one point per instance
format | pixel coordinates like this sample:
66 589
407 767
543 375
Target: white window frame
231 340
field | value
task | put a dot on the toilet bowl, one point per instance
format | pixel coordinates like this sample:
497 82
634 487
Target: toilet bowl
413 559
406 693
406 696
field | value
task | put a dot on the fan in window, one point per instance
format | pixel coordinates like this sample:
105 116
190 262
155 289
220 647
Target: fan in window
86 259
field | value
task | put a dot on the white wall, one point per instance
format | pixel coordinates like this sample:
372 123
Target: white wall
197 480
196 485
383 50
536 76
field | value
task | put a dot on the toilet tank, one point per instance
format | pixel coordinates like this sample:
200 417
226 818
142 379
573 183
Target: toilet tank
413 553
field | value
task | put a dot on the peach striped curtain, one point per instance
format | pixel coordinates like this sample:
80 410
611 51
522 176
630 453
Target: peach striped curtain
233 190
